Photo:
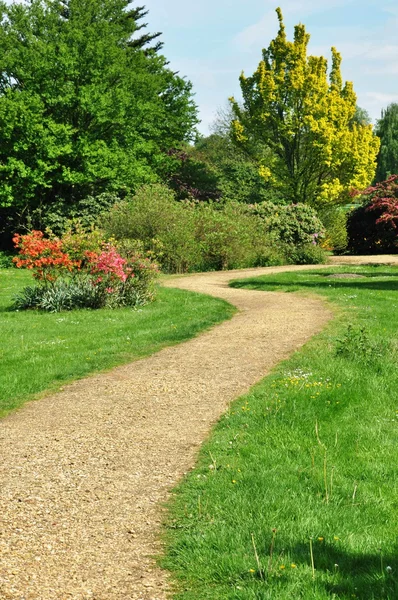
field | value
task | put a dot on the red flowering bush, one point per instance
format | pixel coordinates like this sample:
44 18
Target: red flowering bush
45 257
90 278
373 227
384 199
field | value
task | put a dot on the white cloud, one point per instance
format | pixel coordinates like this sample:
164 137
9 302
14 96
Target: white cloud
387 52
260 34
375 102
378 97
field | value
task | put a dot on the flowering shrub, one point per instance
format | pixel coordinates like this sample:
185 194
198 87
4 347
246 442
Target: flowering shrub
77 242
108 266
384 198
373 227
45 257
90 278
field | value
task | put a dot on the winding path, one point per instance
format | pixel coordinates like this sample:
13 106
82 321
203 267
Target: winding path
84 472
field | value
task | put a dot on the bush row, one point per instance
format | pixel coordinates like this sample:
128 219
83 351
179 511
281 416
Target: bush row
187 236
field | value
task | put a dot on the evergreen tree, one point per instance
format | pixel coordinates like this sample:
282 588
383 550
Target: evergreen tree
387 130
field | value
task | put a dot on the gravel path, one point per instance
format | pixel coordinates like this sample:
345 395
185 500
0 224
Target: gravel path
84 472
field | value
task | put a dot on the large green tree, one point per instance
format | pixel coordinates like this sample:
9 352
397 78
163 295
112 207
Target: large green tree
307 118
87 103
387 130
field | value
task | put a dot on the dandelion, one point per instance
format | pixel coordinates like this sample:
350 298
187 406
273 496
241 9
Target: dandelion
234 481
282 567
320 539
293 566
252 570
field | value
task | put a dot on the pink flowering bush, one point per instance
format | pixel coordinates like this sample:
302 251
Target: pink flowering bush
85 278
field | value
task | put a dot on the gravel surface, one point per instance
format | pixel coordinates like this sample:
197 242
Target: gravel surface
84 472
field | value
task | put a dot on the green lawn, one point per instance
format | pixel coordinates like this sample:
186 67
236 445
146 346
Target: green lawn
41 351
295 495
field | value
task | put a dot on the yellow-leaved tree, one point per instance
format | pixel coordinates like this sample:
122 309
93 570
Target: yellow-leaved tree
298 120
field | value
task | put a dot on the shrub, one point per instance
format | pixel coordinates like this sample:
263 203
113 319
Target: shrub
57 216
95 278
227 236
164 226
271 255
6 261
294 230
197 236
307 254
45 257
373 226
335 222
290 224
77 241
190 236
139 289
30 297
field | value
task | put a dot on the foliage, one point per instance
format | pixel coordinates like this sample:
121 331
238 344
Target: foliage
59 217
197 236
308 123
45 257
334 220
98 275
85 105
387 131
291 224
356 344
6 260
165 227
291 496
45 350
193 178
216 169
361 116
373 226
139 289
62 295
78 242
384 197
306 254
228 237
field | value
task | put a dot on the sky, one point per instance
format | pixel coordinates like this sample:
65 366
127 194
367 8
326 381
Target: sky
211 41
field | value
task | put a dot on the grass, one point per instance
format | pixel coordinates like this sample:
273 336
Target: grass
295 494
42 351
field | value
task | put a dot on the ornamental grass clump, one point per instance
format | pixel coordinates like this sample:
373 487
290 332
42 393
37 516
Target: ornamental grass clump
81 271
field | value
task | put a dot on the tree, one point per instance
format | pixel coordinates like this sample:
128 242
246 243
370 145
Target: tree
361 116
87 105
215 168
236 173
387 130
307 120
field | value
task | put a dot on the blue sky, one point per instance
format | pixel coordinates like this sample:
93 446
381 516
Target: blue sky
212 41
